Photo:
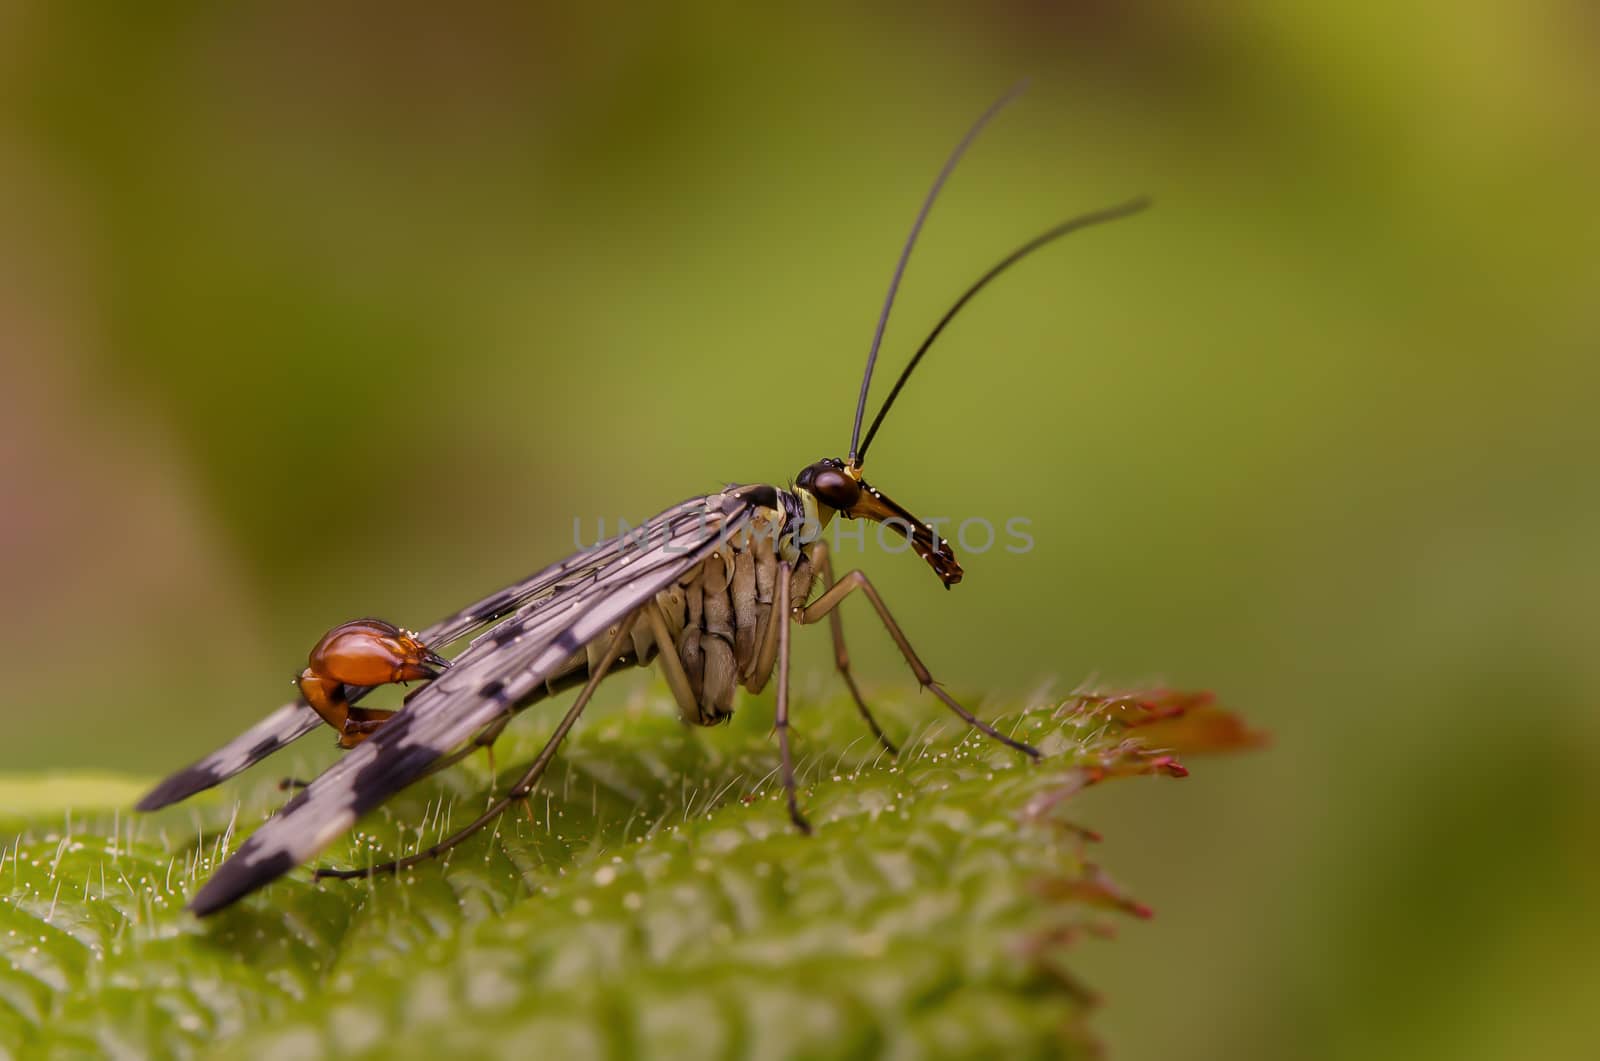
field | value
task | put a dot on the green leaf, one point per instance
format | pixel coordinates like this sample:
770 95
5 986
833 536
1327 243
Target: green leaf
651 901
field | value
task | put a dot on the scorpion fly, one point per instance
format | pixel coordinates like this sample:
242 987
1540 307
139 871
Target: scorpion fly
709 591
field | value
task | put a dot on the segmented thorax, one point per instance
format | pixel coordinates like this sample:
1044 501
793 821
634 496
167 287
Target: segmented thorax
720 613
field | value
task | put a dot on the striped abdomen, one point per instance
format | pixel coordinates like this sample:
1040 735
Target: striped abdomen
719 616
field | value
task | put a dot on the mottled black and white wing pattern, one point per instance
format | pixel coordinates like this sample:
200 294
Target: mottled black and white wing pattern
295 719
501 668
284 726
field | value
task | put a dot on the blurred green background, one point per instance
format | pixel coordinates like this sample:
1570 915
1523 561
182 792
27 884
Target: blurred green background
308 314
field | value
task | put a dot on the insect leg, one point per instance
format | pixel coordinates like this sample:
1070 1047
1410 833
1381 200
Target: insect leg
360 723
785 623
671 665
767 655
858 580
524 785
485 740
355 724
841 655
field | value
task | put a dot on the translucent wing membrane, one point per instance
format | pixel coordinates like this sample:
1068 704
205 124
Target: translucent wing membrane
486 682
295 719
284 726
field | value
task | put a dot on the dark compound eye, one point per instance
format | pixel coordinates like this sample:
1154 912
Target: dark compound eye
836 489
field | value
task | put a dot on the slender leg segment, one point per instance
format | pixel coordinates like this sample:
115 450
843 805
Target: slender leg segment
784 617
524 785
671 665
841 655
355 724
857 580
361 722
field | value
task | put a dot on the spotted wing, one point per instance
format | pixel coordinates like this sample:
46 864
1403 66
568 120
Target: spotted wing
289 723
486 682
295 719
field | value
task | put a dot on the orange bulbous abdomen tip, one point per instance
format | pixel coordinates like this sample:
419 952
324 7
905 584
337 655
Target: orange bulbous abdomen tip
368 652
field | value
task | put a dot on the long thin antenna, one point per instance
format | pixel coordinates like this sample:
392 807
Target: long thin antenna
905 252
1110 213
